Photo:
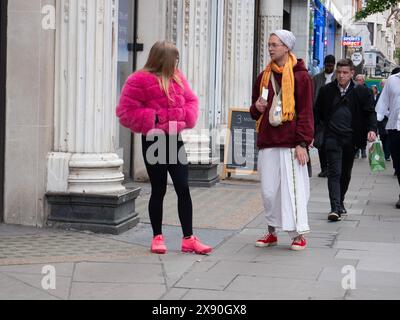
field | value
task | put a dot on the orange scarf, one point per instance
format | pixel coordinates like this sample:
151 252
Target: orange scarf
288 101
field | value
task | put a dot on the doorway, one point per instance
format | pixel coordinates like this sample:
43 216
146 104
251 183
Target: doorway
127 63
3 66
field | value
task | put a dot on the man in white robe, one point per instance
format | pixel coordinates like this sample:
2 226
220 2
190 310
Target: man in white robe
283 149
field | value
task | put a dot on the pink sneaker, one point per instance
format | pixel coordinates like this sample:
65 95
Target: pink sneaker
194 245
269 240
299 245
158 245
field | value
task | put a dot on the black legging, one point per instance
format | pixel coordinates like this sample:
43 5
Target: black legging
179 171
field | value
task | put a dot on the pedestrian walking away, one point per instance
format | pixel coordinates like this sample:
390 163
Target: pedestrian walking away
285 126
349 119
382 132
158 103
389 106
320 80
361 153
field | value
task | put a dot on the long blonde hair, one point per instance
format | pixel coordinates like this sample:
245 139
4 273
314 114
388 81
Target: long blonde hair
162 62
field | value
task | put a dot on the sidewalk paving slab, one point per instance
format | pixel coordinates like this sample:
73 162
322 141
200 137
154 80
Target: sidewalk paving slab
230 218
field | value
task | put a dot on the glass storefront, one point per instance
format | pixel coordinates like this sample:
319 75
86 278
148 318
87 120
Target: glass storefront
322 35
330 34
125 69
319 33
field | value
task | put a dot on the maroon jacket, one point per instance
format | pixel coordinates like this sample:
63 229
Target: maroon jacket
291 133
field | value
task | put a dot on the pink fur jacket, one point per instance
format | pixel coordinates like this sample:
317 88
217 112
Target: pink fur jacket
144 106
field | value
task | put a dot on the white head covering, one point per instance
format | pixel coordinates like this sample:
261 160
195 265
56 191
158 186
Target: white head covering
286 37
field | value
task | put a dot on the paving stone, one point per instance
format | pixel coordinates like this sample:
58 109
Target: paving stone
366 235
318 262
374 293
206 280
261 269
310 254
13 289
62 269
113 291
379 263
279 288
326 200
174 269
373 247
118 273
199 294
122 267
361 254
203 266
143 234
363 278
234 252
260 220
175 294
383 261
62 284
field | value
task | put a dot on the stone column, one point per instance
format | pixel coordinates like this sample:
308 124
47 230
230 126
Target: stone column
300 25
271 19
238 55
84 165
188 26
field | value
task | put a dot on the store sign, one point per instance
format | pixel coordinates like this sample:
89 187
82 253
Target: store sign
370 60
357 58
351 41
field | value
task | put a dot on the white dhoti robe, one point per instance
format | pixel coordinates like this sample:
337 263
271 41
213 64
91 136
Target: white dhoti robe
285 186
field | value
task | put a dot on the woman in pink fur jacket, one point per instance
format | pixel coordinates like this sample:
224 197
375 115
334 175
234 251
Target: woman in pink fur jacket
158 103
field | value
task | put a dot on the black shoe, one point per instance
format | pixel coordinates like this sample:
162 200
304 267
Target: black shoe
323 174
364 155
398 204
334 217
342 210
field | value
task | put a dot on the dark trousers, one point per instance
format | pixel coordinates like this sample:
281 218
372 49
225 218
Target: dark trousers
394 138
158 174
340 154
383 134
322 159
386 146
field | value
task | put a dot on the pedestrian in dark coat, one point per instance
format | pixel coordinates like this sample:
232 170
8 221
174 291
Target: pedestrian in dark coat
349 119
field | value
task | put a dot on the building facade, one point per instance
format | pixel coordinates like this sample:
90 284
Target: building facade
66 62
327 25
378 48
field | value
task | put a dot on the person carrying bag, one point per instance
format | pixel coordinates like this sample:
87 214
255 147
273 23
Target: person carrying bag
376 156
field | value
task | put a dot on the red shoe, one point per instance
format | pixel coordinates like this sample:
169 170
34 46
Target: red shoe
158 245
269 240
299 245
193 245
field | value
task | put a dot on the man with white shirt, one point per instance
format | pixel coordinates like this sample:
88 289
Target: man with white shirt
389 106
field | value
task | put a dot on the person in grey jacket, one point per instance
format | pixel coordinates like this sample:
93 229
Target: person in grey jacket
325 77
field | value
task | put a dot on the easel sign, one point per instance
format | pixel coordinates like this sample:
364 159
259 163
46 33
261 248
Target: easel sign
241 152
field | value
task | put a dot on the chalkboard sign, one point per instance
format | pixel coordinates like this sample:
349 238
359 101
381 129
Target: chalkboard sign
241 152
